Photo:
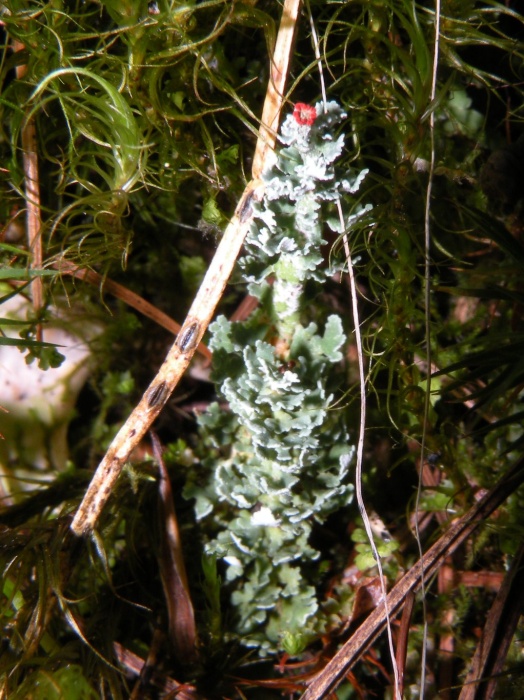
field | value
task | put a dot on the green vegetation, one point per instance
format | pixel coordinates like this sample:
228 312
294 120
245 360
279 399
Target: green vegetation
145 119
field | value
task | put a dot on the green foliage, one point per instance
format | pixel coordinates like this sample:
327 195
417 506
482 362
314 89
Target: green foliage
114 385
126 98
364 556
145 124
142 120
379 56
67 683
46 353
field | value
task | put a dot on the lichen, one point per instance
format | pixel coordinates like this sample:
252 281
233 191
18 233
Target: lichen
278 458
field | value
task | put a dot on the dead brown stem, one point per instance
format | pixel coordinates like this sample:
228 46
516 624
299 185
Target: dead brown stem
32 196
203 307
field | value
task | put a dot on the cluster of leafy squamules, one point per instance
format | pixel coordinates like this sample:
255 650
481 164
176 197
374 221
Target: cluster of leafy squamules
277 459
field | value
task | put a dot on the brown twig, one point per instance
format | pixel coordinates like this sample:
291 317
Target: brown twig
32 197
280 62
135 664
206 300
182 627
402 642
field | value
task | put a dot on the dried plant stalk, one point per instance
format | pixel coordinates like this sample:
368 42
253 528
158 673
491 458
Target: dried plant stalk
32 195
206 300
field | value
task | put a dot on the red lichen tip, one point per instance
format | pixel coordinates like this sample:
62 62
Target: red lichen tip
304 114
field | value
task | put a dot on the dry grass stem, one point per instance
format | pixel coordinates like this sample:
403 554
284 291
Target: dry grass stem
204 304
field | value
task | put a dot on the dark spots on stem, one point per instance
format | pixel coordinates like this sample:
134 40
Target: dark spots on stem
186 339
157 394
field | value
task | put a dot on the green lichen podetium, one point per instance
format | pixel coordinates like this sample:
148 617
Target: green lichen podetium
278 459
